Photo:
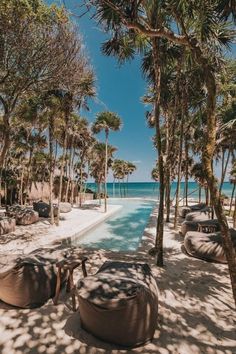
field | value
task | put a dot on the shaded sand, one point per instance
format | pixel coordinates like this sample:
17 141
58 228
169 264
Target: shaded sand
196 310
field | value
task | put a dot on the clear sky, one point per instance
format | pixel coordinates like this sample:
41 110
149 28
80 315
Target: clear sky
119 89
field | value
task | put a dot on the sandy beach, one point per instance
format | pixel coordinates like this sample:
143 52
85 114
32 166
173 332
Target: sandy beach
196 309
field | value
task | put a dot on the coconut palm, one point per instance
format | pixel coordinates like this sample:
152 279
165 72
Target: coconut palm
101 161
203 29
106 121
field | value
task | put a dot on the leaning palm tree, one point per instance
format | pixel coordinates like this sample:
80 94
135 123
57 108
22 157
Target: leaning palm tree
106 121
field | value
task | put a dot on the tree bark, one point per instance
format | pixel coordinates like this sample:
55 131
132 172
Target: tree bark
160 218
6 139
207 157
22 184
179 172
232 198
51 168
168 190
105 174
224 171
200 194
186 172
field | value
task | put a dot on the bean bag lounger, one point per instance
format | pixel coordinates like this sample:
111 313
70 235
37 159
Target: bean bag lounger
199 215
184 210
11 211
119 304
207 246
27 282
44 209
7 225
23 215
26 217
65 207
206 226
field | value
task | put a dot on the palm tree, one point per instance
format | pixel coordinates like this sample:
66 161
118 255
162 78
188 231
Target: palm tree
129 169
232 199
106 121
100 163
199 24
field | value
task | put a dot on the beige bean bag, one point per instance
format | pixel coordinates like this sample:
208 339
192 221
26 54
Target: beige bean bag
207 246
27 281
120 303
194 226
27 217
199 215
23 215
7 225
65 207
184 210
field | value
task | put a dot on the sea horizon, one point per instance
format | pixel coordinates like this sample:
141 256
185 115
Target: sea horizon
151 189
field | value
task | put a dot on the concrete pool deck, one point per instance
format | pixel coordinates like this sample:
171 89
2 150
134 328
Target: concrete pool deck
73 224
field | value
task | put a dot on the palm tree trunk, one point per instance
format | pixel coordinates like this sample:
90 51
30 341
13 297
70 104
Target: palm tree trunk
207 157
168 190
160 218
234 216
105 174
72 179
81 184
200 194
179 171
6 139
0 187
232 198
69 174
62 171
224 171
27 184
51 169
114 191
21 185
186 172
99 193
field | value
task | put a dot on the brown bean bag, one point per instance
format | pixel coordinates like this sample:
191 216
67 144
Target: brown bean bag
23 215
207 246
184 210
7 225
194 225
65 207
26 217
199 215
27 282
120 303
44 209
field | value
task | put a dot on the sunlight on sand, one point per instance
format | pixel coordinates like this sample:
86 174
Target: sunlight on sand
195 308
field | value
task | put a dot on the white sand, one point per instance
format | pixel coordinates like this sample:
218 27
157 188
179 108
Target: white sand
196 309
74 223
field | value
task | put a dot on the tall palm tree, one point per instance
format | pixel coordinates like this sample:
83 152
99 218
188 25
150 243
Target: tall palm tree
203 28
106 121
100 163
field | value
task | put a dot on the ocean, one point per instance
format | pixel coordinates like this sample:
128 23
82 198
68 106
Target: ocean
151 189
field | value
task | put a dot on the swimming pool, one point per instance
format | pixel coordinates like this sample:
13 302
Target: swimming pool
122 231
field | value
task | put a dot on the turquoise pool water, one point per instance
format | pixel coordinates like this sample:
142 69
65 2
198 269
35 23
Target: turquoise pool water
123 230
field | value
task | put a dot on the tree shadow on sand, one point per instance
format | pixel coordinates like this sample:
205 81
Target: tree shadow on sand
195 311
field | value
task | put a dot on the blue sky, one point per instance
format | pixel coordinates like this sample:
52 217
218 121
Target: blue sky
119 89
